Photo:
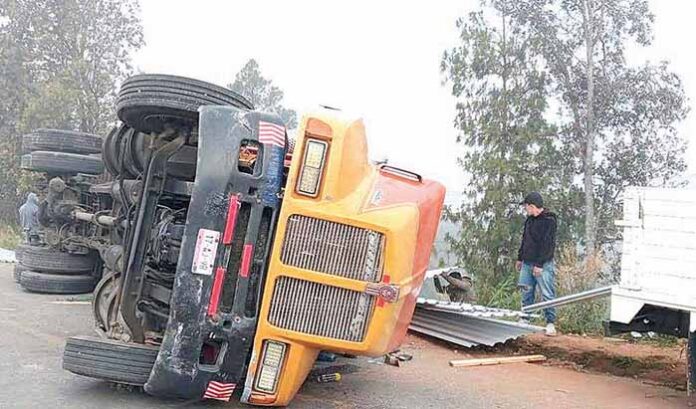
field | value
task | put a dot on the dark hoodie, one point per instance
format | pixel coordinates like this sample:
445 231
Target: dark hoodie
538 239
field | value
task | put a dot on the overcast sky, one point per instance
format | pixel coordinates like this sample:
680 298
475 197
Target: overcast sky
378 60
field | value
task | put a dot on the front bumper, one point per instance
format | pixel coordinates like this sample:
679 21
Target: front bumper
216 296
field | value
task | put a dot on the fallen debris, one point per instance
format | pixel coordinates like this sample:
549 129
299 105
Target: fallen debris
467 330
329 377
497 361
395 358
469 309
569 299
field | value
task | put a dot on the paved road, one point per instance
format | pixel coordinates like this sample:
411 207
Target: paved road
33 329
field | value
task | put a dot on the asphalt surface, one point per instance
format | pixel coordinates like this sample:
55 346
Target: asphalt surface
33 329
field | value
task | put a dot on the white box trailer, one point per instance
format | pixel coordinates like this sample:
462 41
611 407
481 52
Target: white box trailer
657 290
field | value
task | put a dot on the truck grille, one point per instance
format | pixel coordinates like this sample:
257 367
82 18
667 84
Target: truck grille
321 310
333 248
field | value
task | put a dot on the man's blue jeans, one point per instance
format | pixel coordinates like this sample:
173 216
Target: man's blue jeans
547 284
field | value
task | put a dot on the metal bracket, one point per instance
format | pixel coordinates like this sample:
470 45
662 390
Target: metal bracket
387 292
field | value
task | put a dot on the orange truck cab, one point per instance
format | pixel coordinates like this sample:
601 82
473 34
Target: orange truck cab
351 249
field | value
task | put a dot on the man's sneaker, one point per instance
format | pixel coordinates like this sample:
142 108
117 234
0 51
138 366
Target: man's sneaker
551 330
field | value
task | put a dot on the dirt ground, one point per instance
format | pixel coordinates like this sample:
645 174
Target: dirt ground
33 328
659 365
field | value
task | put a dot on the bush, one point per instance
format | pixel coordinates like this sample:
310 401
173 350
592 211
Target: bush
501 295
10 237
574 276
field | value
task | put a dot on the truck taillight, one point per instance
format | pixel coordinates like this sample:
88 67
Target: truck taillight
269 369
312 169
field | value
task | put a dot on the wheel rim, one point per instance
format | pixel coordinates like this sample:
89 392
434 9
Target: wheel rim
104 303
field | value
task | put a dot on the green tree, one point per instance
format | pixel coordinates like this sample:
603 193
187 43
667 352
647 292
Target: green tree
510 146
60 62
75 51
617 120
262 93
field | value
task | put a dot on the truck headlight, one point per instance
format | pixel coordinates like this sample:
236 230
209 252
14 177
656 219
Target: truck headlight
312 167
267 377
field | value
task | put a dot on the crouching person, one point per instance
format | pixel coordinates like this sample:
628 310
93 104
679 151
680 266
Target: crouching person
460 286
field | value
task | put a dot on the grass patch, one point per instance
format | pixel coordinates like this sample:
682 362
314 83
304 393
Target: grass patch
10 237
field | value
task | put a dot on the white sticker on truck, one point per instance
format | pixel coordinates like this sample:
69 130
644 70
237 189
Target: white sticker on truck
206 249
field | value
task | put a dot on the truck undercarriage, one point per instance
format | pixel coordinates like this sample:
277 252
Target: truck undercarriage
186 230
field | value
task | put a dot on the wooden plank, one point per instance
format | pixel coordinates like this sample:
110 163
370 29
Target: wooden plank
497 361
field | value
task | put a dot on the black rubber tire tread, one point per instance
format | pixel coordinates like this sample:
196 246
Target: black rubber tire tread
109 360
184 92
149 101
188 84
110 150
19 251
36 282
62 163
49 260
17 272
57 140
134 151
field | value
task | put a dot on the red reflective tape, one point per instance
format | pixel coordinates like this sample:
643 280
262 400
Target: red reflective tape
216 292
386 279
246 260
230 224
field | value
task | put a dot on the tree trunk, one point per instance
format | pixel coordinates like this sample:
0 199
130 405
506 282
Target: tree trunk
590 231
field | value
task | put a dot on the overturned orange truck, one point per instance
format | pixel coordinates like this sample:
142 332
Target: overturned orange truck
278 259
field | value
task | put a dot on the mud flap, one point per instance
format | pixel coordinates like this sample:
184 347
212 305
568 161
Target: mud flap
207 342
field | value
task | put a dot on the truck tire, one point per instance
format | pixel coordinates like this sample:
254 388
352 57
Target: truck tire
109 360
62 163
35 282
49 260
19 251
150 102
124 151
17 273
111 150
56 140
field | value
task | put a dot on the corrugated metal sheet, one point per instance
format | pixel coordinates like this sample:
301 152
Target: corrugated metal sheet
465 329
471 309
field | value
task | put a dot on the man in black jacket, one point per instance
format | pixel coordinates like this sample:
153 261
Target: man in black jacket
535 258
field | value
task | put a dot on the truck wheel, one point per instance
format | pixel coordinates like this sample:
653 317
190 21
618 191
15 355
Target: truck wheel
62 163
111 150
105 300
19 251
150 102
35 282
56 140
124 151
17 273
49 260
109 360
